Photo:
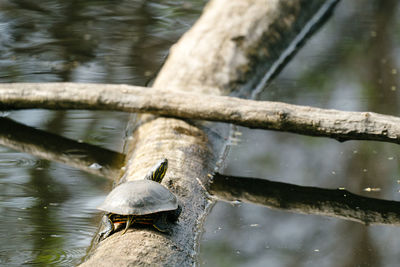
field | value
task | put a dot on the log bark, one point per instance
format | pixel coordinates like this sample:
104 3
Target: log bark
229 43
340 125
338 203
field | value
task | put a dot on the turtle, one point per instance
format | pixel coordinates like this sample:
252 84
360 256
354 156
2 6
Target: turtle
141 201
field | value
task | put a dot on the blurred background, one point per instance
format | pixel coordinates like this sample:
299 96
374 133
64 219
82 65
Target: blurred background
47 210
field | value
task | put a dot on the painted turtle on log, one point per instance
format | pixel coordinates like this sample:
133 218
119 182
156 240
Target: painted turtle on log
141 201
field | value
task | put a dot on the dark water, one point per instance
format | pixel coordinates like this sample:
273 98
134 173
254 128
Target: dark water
47 210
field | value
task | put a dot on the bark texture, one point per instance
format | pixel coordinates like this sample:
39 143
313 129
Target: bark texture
308 200
223 49
340 125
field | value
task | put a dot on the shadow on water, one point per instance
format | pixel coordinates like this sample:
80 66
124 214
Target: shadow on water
47 210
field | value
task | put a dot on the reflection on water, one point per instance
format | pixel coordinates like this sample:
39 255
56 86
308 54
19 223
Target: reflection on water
350 64
88 41
47 210
16 160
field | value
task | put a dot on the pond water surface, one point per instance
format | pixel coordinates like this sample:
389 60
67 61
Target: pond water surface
47 209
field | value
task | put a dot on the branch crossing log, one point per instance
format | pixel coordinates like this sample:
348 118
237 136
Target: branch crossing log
340 125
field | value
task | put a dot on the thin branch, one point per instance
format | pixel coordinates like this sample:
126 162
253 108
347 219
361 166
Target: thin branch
340 125
86 157
309 200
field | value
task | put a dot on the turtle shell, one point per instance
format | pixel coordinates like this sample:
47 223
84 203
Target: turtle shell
139 198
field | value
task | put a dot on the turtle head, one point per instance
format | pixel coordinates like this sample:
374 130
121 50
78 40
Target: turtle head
158 171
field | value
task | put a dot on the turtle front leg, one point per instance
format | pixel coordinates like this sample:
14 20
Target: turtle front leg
108 227
129 221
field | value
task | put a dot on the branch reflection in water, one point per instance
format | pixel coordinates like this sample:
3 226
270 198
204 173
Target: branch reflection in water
82 156
309 200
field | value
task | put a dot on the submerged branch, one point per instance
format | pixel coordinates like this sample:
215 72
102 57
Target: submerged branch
340 125
86 157
309 200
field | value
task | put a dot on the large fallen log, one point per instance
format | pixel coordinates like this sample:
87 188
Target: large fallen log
340 125
227 49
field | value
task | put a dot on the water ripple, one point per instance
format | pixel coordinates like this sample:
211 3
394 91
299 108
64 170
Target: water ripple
19 162
56 257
